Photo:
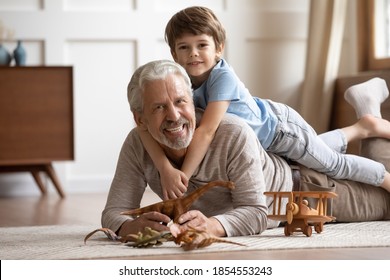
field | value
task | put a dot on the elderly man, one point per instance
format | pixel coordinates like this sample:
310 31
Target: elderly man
160 98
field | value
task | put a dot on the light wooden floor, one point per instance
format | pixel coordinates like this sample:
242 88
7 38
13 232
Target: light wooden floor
86 208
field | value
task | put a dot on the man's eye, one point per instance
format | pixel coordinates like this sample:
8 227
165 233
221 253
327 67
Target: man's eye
158 108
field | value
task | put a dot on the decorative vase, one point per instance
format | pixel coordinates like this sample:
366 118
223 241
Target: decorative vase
20 54
5 56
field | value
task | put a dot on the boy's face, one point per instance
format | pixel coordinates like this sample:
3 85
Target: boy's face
197 54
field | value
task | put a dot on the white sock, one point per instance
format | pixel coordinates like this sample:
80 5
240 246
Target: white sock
366 98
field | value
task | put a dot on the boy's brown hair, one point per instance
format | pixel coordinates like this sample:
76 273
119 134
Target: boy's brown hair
194 20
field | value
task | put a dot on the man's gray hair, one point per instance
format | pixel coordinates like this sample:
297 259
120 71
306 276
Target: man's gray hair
154 70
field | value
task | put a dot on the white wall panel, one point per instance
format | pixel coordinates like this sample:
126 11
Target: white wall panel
269 75
175 5
98 5
21 5
102 114
268 5
161 50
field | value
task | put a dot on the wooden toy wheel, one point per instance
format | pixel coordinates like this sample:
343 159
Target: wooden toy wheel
287 230
319 227
307 231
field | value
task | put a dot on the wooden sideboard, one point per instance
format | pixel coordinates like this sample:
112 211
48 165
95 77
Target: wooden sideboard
36 120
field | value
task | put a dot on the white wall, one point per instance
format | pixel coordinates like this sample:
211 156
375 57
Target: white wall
105 41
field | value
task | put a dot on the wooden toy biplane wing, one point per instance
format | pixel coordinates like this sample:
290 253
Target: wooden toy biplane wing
298 214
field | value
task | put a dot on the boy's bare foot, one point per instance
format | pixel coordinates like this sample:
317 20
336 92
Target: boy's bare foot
367 126
371 126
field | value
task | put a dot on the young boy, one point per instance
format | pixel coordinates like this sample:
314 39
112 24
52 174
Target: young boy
196 39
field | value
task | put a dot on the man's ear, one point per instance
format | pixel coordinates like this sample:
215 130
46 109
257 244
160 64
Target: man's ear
139 121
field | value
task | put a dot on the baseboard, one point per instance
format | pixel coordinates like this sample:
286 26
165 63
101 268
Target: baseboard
23 185
16 185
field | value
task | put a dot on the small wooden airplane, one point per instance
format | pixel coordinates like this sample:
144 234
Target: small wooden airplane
300 217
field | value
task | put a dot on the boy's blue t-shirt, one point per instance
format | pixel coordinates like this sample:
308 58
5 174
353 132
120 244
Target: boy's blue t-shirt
224 85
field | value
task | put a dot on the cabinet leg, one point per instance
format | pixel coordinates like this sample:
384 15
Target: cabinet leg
39 182
34 169
53 176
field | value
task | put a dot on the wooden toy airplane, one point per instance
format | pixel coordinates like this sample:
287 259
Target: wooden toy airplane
300 217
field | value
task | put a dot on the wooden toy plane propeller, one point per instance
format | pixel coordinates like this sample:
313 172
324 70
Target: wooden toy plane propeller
300 217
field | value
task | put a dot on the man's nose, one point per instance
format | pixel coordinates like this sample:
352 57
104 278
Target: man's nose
173 113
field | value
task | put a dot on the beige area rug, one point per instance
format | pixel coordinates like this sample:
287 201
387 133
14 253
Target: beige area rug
67 242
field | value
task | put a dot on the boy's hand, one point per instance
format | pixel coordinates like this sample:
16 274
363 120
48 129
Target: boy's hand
174 183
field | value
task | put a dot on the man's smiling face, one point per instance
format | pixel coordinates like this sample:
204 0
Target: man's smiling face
168 112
